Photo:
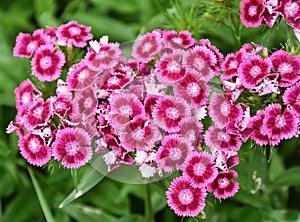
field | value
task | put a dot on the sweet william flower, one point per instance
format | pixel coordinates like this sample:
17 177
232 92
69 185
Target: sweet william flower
47 63
184 199
251 12
291 97
72 147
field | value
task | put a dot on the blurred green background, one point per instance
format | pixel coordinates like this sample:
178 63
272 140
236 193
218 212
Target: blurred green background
269 187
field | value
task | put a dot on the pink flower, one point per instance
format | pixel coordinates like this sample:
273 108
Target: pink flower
224 160
173 152
192 90
287 65
47 63
218 110
280 125
34 150
168 112
149 104
199 169
107 57
169 68
80 76
72 146
26 45
184 199
253 70
139 134
85 103
199 62
146 47
231 65
61 106
223 186
291 96
74 34
251 12
219 56
37 113
191 129
218 138
174 40
26 94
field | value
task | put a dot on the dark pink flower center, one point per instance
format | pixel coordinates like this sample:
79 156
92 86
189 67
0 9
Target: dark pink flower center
172 113
185 196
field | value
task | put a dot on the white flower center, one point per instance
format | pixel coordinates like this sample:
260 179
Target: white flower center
74 30
72 148
255 70
46 62
253 10
193 89
173 67
172 113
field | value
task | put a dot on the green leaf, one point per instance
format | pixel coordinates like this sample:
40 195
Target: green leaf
290 177
83 213
132 217
276 166
250 199
123 6
45 12
42 200
90 179
282 215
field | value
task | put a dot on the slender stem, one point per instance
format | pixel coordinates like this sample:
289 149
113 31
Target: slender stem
148 211
0 209
74 177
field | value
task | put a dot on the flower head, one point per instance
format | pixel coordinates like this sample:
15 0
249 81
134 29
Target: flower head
174 40
72 146
291 97
47 63
199 169
223 186
34 150
173 152
74 34
191 129
184 199
218 110
251 12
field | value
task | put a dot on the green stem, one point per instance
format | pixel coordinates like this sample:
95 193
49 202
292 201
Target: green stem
74 177
148 210
0 209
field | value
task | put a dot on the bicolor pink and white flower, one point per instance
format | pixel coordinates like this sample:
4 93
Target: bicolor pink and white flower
85 103
291 97
253 70
173 152
191 129
223 185
72 147
199 169
174 40
251 12
168 112
218 109
27 44
74 34
147 47
47 63
34 150
184 199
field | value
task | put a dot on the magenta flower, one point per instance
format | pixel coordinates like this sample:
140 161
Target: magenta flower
287 65
251 12
199 169
224 160
253 70
258 134
219 56
149 104
47 63
231 65
218 138
26 94
168 112
173 152
191 129
107 57
72 146
218 110
291 97
146 47
74 34
280 125
174 40
184 199
26 45
80 76
192 90
139 134
34 150
199 61
169 68
37 113
223 186
85 103
61 106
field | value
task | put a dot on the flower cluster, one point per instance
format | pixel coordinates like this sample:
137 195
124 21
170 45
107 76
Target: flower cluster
147 110
257 12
